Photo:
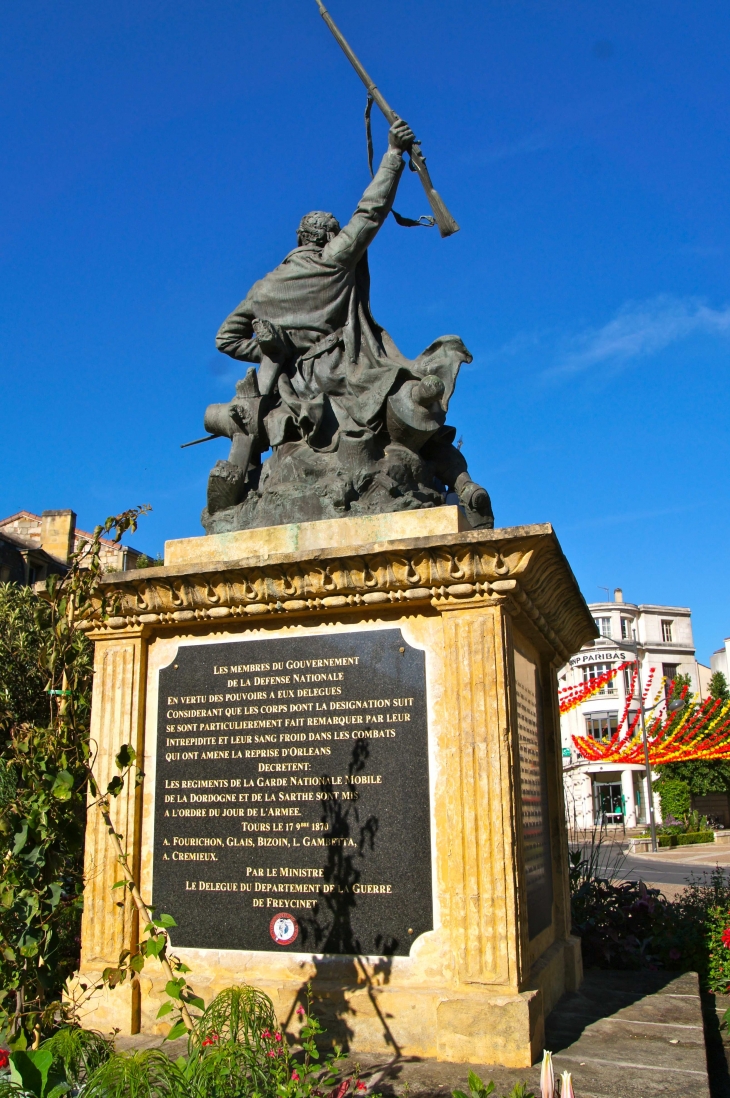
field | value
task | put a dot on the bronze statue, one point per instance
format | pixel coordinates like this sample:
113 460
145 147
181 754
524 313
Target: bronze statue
355 427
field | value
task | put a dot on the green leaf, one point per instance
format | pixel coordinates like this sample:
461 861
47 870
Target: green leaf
29 947
7 896
119 884
164 1009
125 756
20 1042
178 1030
115 787
165 921
476 1086
62 788
172 988
458 1094
154 946
30 1069
195 1000
21 838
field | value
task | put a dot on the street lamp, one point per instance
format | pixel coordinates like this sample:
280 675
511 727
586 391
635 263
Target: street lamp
673 706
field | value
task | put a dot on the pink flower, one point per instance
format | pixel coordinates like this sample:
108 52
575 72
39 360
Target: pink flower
277 1036
271 1052
295 1077
360 1085
301 1011
266 1033
726 937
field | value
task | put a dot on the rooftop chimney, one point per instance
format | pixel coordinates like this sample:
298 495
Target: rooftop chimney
618 595
57 534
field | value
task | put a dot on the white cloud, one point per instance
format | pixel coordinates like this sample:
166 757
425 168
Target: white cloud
640 329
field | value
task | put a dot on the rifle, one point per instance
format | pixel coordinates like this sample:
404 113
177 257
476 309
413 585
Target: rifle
444 220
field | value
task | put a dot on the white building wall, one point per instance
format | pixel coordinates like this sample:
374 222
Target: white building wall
668 645
720 660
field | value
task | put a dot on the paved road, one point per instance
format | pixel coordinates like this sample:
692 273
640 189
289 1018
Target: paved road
665 872
675 867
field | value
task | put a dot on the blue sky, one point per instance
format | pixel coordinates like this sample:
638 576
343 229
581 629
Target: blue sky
158 157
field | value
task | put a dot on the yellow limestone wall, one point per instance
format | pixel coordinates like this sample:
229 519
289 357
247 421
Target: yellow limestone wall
475 988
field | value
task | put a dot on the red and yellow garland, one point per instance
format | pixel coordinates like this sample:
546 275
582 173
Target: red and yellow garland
571 696
701 731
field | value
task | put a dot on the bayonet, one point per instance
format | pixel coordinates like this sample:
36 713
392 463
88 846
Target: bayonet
444 220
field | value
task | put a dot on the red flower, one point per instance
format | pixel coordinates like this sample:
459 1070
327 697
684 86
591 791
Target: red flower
295 1077
211 1039
4 1058
271 1052
726 937
360 1085
277 1036
266 1033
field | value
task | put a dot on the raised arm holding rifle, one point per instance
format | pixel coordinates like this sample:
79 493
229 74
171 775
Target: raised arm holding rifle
354 425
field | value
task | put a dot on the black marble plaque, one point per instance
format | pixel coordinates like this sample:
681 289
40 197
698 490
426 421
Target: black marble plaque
292 795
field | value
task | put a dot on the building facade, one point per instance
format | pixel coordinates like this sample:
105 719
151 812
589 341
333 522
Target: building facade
32 547
598 793
720 660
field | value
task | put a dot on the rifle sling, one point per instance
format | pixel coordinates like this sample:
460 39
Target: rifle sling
424 222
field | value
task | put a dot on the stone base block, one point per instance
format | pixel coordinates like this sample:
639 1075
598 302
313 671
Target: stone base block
398 696
107 1009
368 1008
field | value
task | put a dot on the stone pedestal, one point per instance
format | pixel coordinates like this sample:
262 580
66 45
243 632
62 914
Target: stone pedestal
488 616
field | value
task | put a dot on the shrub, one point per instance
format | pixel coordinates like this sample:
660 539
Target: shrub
480 1089
149 1074
624 924
675 798
687 838
717 937
248 1058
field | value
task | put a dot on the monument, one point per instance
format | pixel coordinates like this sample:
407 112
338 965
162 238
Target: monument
354 426
345 697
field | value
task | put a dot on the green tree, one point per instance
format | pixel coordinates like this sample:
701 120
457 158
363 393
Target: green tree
24 625
719 687
45 696
701 776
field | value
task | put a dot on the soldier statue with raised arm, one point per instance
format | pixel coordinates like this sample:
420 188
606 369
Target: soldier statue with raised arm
355 427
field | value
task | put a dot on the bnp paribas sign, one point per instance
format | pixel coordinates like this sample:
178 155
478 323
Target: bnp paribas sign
602 654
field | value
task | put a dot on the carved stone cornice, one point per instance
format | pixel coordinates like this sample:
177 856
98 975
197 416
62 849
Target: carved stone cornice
524 566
